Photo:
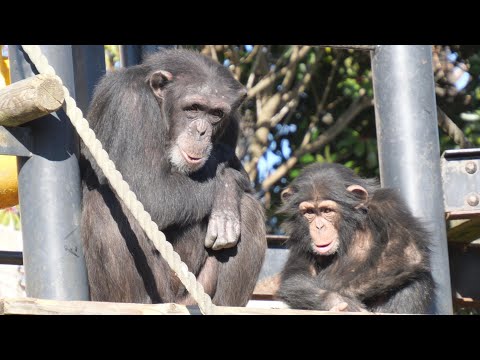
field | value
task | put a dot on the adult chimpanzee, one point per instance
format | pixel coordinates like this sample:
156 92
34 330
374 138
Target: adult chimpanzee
171 125
353 246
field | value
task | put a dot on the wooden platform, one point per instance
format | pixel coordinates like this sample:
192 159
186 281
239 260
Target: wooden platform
30 306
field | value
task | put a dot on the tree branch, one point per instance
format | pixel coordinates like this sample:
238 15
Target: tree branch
331 133
270 79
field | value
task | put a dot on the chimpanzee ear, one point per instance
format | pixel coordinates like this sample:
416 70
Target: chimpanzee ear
241 95
158 80
286 194
360 192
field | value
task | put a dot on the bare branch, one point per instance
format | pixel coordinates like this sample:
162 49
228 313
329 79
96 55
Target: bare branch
258 55
290 75
251 55
353 110
213 52
331 133
270 79
452 130
328 87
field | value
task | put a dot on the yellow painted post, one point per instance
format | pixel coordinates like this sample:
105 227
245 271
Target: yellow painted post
4 70
8 181
8 164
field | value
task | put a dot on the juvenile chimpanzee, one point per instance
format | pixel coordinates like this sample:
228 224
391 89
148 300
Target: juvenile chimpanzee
170 125
353 246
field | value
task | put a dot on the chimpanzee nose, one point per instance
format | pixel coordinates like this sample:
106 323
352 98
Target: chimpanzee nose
202 127
319 224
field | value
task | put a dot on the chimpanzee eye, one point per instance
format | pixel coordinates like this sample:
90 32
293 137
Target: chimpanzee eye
218 113
193 107
326 210
309 211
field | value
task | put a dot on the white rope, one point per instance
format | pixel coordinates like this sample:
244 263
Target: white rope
122 189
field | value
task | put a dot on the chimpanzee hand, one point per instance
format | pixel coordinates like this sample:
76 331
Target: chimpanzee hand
339 307
223 229
224 224
335 302
343 306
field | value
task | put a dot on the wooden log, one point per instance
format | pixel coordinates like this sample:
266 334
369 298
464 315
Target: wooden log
31 306
30 99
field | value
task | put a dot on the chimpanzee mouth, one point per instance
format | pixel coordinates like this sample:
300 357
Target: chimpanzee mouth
323 249
191 159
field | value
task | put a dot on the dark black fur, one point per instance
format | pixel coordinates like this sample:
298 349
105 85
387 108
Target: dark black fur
387 280
136 130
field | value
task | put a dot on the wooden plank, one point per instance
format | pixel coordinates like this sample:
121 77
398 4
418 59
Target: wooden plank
466 232
277 240
31 306
30 99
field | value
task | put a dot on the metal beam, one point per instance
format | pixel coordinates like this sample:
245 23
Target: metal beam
11 258
49 184
408 145
15 141
461 182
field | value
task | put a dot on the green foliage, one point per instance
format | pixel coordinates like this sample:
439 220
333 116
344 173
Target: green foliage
112 55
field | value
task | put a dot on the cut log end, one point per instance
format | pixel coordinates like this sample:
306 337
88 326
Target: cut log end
50 96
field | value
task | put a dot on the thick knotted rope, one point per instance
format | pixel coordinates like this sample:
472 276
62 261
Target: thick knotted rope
122 189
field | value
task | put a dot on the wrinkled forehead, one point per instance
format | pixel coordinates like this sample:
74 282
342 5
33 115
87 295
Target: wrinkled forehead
201 86
208 90
319 188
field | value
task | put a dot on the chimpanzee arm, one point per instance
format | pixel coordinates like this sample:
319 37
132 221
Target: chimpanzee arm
180 200
381 277
300 290
224 223
216 190
374 283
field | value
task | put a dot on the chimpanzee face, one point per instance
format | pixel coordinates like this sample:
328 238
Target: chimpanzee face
323 218
198 111
323 209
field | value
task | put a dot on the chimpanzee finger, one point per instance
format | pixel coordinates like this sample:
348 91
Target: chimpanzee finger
231 238
339 307
220 243
236 229
212 232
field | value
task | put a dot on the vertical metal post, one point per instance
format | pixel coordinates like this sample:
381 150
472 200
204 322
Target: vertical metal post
134 54
89 66
49 186
130 55
408 145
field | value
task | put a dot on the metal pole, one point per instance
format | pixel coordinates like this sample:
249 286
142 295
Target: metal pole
130 55
134 54
408 145
49 187
89 66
